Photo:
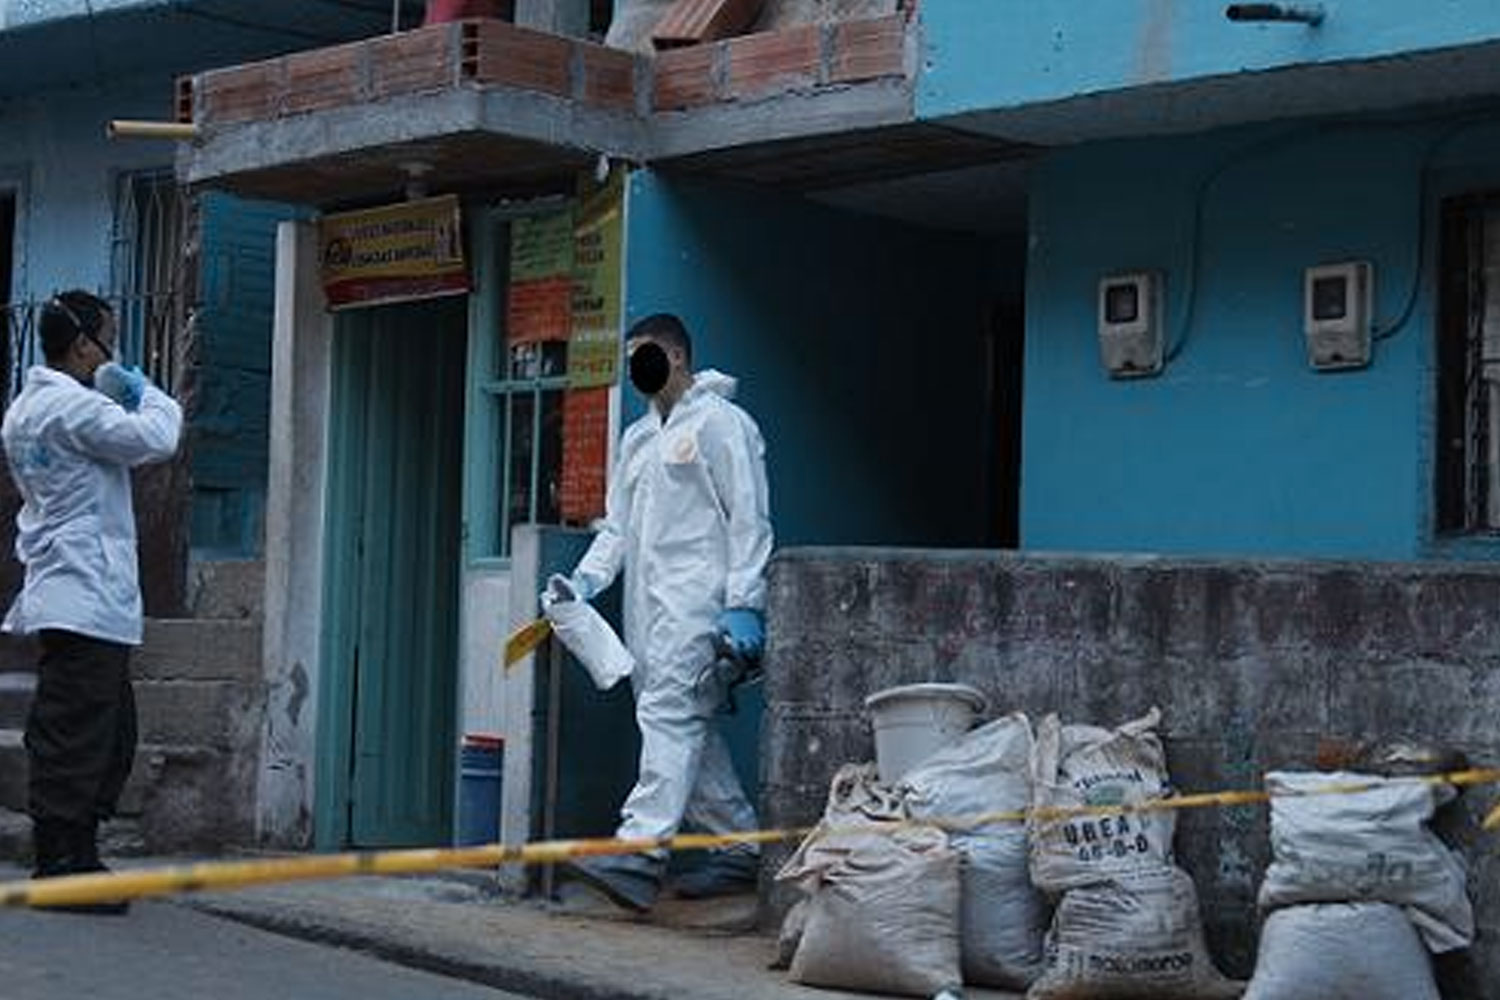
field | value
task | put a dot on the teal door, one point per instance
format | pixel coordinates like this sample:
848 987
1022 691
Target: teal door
390 645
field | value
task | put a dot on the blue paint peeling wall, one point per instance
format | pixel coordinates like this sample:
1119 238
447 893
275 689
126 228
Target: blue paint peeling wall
858 346
983 54
1240 448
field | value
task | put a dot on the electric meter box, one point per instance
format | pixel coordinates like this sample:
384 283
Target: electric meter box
1337 302
1130 336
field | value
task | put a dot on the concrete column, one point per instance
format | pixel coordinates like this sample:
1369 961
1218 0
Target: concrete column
558 17
519 705
300 380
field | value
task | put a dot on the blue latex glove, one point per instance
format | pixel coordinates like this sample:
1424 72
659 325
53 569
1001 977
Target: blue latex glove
744 632
124 385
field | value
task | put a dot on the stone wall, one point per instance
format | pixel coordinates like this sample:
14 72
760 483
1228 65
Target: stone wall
1255 666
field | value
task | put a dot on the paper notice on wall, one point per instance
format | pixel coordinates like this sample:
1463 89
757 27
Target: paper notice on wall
594 343
585 452
538 304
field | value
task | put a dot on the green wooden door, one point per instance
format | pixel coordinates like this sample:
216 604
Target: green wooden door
391 581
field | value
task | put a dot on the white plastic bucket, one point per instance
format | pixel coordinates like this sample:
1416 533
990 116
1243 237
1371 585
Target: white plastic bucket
915 721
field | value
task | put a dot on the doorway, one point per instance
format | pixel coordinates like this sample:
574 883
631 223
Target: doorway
387 726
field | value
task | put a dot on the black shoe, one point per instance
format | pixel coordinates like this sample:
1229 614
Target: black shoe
70 849
726 873
632 881
108 908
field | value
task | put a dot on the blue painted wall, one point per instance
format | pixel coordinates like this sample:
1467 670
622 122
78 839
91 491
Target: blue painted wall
1239 447
857 342
231 426
980 54
65 170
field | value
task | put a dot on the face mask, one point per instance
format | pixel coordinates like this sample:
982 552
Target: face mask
649 368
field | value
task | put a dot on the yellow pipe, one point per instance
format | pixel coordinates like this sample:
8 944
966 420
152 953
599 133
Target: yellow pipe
125 128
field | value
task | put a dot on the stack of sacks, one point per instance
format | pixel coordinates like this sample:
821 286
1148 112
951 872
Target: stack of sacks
1358 885
1003 917
1127 924
881 906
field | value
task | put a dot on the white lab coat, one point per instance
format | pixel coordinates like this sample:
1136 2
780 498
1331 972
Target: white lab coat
688 519
71 450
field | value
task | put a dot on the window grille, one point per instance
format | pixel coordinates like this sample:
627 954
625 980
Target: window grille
1468 459
150 259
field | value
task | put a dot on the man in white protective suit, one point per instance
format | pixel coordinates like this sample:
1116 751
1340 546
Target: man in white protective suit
688 520
80 424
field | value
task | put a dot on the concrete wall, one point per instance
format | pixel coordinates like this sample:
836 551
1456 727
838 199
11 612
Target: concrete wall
1239 447
1255 665
857 343
981 56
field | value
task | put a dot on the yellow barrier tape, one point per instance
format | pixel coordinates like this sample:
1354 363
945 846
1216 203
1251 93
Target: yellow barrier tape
71 890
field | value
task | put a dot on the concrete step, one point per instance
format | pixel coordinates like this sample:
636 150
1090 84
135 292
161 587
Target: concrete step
16 690
194 649
227 589
120 837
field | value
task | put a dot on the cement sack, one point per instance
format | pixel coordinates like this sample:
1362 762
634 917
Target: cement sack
585 634
1367 846
882 900
1003 918
884 919
1087 766
1138 937
1338 951
633 23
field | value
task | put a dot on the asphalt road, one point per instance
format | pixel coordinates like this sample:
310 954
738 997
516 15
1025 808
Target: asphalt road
160 951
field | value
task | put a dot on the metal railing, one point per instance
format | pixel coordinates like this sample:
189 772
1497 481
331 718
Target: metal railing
151 335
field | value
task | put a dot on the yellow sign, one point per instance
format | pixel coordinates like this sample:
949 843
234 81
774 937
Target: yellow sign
413 250
594 343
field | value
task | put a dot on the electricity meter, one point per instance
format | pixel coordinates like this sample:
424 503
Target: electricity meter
1336 315
1130 337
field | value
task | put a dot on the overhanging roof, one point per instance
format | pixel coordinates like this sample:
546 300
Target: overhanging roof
61 43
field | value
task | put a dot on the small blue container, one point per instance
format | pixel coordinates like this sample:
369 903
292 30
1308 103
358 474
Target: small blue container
479 790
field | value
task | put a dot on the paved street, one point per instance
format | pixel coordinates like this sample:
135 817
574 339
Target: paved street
167 952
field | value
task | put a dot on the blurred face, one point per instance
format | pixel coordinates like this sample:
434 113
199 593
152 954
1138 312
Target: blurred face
654 366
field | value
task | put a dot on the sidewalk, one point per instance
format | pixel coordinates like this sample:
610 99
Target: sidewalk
460 925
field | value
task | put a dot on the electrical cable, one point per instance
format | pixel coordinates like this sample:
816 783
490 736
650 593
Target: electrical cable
1424 191
1195 234
1271 143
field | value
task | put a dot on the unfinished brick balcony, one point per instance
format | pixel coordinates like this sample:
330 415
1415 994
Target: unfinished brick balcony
478 103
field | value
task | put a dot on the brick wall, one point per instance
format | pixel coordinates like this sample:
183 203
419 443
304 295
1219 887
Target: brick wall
1255 666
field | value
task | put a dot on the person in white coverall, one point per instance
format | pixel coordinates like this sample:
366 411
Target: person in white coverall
688 520
71 437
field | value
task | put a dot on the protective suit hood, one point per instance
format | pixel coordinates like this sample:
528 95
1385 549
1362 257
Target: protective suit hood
714 381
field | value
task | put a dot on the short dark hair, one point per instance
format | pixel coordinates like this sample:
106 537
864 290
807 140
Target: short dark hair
664 328
70 315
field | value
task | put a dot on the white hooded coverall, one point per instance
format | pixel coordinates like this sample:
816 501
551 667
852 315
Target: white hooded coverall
687 515
71 450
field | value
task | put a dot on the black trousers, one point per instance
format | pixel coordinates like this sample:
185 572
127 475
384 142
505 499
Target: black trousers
81 733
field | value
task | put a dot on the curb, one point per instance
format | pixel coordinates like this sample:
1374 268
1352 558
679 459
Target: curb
522 981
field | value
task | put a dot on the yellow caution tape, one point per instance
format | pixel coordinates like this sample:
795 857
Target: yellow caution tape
72 890
524 639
